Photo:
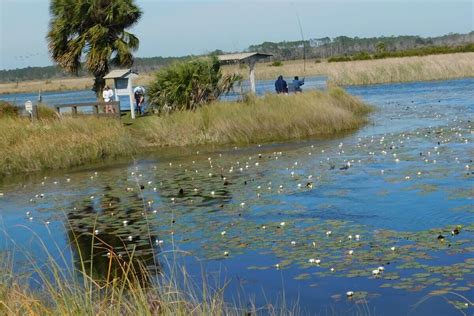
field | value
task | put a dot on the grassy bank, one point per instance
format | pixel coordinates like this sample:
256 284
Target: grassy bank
434 67
55 144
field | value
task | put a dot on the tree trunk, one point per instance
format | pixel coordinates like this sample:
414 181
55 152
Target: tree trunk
99 84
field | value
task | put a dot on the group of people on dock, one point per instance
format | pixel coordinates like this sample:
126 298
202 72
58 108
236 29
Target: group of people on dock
282 87
138 94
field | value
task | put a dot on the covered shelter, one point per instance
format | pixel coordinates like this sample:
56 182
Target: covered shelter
249 58
123 80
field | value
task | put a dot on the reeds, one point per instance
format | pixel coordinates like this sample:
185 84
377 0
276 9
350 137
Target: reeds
56 144
271 118
56 286
68 142
363 72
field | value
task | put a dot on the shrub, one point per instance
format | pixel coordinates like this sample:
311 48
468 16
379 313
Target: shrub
276 63
317 61
187 85
8 110
338 59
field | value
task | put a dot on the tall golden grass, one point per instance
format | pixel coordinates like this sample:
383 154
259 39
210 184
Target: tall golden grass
271 118
56 144
68 142
406 69
363 72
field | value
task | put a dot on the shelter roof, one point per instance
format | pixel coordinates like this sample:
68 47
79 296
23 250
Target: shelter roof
120 73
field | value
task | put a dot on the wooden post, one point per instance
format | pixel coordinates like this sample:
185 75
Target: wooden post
252 63
74 110
95 109
34 113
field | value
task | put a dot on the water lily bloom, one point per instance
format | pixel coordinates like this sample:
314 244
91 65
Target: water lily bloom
226 253
376 272
328 233
293 242
350 252
392 248
130 238
223 232
350 293
282 224
124 223
381 269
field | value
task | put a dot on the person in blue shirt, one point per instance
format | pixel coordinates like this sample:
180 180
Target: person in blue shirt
297 83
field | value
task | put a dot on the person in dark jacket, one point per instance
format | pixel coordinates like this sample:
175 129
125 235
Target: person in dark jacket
281 86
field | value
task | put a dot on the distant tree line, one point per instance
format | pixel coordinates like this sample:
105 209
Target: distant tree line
347 46
422 51
339 48
140 65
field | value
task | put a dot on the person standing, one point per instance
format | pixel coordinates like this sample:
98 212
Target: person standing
107 95
281 86
297 83
139 94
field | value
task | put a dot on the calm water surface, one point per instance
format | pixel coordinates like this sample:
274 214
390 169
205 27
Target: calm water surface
392 195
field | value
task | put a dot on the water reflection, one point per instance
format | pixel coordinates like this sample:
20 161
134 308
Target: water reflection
112 236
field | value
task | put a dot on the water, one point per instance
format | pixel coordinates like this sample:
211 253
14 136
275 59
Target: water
403 181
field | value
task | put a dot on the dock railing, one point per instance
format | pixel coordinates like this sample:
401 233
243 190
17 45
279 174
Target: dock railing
98 108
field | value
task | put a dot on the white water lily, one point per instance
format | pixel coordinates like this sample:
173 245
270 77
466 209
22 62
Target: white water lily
130 238
350 252
350 293
223 233
282 224
376 272
328 233
293 242
392 248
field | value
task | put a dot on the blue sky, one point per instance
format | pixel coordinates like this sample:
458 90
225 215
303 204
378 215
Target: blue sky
177 27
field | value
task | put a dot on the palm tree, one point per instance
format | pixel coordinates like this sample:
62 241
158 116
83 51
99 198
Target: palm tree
91 33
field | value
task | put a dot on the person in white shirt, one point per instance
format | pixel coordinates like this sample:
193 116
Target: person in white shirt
107 95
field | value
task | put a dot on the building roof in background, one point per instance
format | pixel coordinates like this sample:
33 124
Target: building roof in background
242 56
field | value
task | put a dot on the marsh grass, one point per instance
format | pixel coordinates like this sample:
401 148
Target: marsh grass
56 144
364 72
61 143
271 118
